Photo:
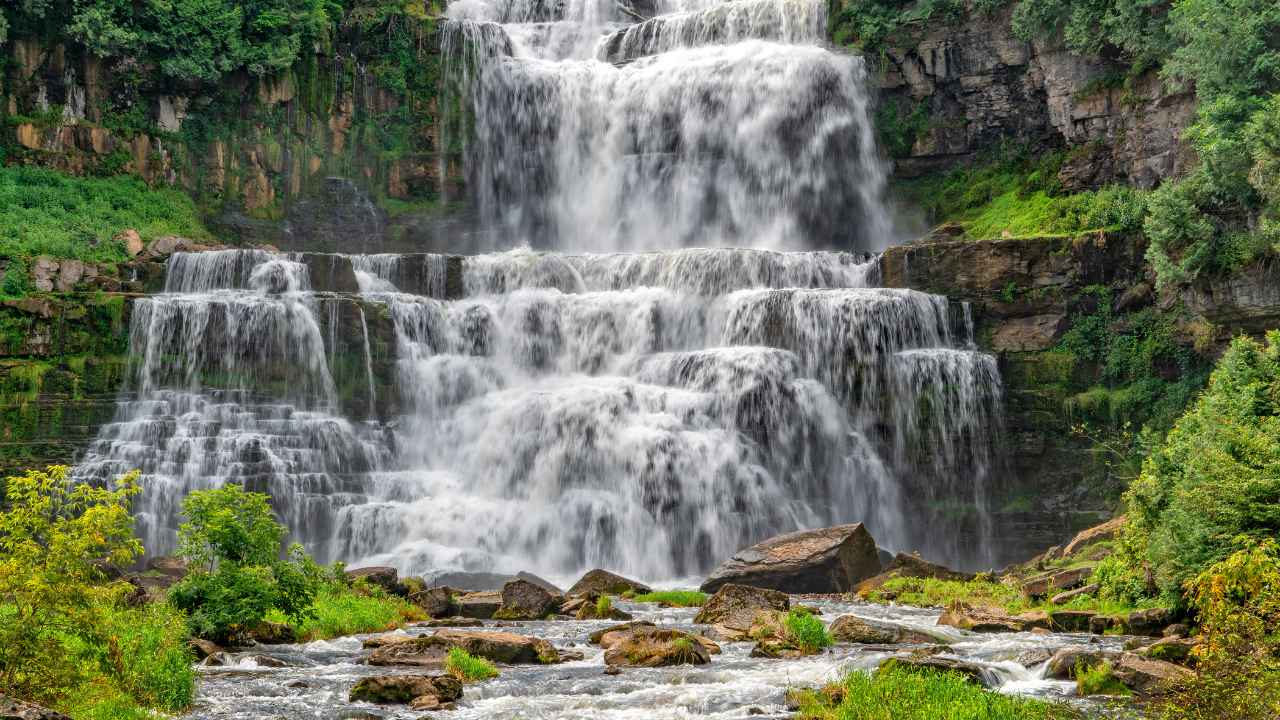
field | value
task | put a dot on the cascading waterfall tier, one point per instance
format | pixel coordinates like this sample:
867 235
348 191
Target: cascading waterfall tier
651 413
714 124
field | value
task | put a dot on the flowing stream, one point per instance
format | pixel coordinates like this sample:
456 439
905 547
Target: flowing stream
733 685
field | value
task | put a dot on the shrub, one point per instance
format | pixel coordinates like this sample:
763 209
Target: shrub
468 668
233 542
604 606
807 631
1098 680
339 610
899 693
1215 477
674 598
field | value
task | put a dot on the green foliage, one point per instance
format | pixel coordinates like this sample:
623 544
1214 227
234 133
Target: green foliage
604 606
52 535
895 692
900 127
1015 191
674 598
807 631
871 24
1098 679
468 668
1218 474
1137 28
985 592
340 610
232 540
1119 581
43 212
1238 661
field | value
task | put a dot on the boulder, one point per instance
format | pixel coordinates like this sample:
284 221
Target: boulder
431 650
456 621
400 689
173 567
1098 533
852 629
436 602
737 600
1065 662
607 636
387 578
1070 621
904 565
11 709
922 661
1032 657
1050 583
1172 649
524 600
607 583
827 560
648 646
1146 676
1150 622
385 639
131 241
480 605
544 584
271 633
471 581
202 648
981 620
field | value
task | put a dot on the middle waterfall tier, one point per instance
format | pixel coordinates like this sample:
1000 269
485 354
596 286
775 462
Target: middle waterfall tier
649 413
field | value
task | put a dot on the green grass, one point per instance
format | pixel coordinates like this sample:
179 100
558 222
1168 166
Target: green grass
1099 680
604 605
342 611
807 631
932 592
902 694
468 668
43 212
674 598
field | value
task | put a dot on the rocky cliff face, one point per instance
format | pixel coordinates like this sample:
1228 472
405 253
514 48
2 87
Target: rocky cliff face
979 85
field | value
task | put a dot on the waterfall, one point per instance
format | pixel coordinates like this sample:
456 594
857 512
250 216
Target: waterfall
676 348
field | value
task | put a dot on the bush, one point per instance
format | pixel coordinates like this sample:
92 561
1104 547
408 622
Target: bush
1215 477
232 541
1099 679
1237 666
468 668
807 631
897 693
604 606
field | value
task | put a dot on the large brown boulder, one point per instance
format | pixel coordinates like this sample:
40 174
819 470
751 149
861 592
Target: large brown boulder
431 650
1149 677
401 689
732 600
851 629
1151 622
827 560
909 566
524 600
606 583
479 605
387 578
1065 662
988 619
436 602
648 646
1053 582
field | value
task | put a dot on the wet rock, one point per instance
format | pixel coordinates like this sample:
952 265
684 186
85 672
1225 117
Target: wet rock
1176 629
472 581
481 605
203 648
1051 582
11 709
271 633
502 647
612 670
607 583
298 684
920 661
1065 662
523 600
827 560
400 689
1148 622
851 629
1066 597
385 639
571 655
607 636
1033 657
904 565
387 578
647 646
1172 649
983 619
739 600
1149 677
436 602
1100 624
457 621
544 584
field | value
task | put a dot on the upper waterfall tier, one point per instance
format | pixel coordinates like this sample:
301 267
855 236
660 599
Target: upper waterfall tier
789 21
648 412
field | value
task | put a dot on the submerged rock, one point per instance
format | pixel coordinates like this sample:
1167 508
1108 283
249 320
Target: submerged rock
606 583
400 689
827 560
649 646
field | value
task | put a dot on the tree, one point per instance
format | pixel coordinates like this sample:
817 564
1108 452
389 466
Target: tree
54 539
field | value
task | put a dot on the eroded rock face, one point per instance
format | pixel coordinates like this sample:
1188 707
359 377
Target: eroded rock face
402 689
827 560
607 583
648 646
